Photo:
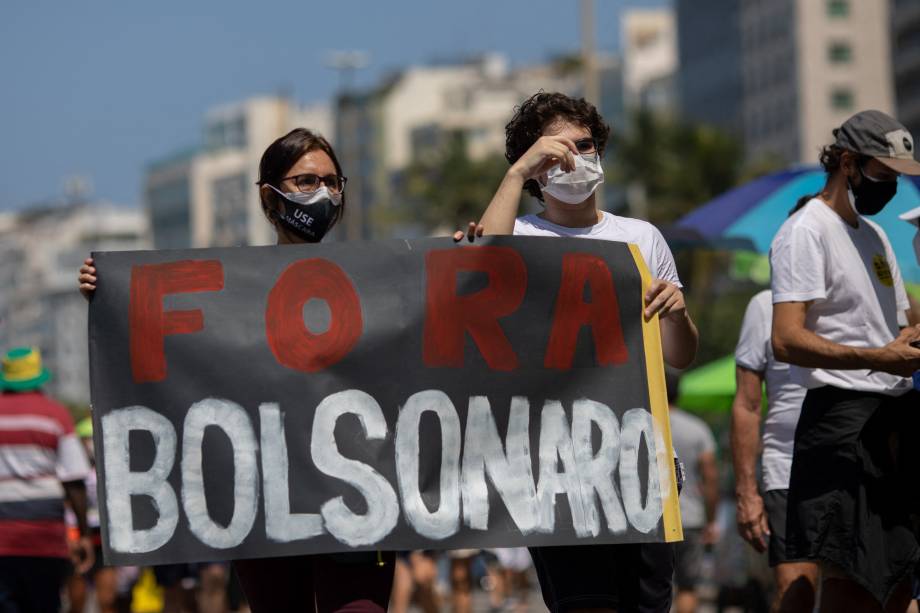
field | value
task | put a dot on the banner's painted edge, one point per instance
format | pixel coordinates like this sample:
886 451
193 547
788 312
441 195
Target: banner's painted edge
657 394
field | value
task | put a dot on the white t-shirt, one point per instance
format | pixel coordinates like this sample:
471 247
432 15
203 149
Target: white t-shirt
853 279
784 396
651 243
691 438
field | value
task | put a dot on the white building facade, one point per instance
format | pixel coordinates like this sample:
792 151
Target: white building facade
40 254
649 58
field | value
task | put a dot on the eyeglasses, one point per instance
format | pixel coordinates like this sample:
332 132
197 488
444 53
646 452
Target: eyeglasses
311 182
586 146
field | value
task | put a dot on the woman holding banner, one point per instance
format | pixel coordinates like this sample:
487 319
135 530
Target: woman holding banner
302 191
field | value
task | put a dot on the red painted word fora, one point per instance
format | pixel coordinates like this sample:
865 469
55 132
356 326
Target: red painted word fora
449 315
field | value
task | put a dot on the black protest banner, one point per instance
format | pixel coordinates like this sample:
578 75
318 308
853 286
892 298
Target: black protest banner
381 395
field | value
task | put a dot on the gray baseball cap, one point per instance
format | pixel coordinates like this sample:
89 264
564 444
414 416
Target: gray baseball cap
912 216
877 135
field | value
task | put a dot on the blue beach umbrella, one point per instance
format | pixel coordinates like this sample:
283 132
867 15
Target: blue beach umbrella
757 209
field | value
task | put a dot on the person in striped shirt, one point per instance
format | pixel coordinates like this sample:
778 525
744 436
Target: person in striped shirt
42 463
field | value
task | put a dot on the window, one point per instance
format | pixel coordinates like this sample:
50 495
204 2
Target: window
838 8
842 99
230 210
226 133
839 53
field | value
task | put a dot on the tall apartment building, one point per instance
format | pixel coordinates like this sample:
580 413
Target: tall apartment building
206 196
649 58
772 69
40 253
709 81
905 50
805 66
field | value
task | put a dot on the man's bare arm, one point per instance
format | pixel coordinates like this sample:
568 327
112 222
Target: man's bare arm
795 344
913 313
503 209
679 336
745 443
82 553
679 339
547 152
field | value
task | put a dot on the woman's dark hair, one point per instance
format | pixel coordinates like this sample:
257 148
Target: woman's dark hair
281 156
541 110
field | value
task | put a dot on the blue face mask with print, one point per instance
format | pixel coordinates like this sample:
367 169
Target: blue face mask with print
308 215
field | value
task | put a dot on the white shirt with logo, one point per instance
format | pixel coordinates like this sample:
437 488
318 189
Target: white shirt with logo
853 281
784 396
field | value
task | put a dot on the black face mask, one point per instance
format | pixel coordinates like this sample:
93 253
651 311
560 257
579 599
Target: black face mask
870 197
308 216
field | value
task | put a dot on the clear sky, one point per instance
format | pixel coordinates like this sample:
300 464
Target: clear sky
100 87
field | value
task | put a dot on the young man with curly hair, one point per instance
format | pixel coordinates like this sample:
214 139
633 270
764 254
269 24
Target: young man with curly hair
554 144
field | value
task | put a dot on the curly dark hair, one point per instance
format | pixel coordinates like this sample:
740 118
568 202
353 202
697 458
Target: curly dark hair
830 155
830 158
539 111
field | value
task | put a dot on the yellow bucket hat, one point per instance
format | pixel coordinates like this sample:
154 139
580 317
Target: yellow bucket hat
22 370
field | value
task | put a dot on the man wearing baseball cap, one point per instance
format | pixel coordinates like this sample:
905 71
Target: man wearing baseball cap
42 462
838 300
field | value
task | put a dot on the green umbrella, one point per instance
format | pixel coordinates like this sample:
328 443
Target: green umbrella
913 289
710 387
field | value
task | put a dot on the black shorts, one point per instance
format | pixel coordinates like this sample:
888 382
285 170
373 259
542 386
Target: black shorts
775 503
182 574
353 581
625 577
688 562
855 486
172 575
31 583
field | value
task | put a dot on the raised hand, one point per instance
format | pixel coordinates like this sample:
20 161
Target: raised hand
664 298
547 152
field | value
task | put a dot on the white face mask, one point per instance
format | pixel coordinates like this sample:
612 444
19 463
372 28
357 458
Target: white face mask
577 186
